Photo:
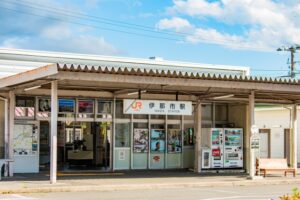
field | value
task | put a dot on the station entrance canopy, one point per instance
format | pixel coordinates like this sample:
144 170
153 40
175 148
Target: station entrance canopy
116 81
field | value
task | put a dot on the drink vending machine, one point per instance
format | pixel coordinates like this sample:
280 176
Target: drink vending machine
225 146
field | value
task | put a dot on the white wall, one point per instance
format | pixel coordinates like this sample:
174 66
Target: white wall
276 119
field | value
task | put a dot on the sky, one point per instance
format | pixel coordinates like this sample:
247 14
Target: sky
227 32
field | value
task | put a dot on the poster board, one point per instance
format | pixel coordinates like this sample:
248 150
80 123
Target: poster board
140 140
158 140
174 141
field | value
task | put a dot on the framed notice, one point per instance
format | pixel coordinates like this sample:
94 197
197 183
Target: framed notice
86 106
66 105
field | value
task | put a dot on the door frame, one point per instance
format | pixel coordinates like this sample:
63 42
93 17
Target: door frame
267 131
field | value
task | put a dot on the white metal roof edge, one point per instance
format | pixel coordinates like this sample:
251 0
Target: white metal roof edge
243 69
30 75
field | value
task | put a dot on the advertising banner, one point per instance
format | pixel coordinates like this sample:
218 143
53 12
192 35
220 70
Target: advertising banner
155 107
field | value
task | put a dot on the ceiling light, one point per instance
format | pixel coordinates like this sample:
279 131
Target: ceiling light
224 96
32 88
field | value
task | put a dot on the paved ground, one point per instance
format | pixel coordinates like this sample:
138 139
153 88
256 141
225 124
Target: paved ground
139 180
211 193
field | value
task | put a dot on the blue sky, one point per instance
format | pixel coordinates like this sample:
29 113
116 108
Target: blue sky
228 32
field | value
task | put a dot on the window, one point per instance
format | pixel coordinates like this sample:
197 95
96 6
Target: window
66 105
122 135
24 107
119 110
86 106
104 107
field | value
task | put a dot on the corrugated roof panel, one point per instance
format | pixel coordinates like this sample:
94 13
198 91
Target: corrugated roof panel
176 73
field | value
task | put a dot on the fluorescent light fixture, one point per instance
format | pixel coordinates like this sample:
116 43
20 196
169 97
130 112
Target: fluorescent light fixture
32 88
224 96
137 92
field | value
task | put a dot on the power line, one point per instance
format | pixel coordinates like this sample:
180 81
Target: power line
171 33
89 25
77 15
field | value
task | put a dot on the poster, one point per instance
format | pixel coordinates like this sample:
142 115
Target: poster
85 106
44 105
157 140
66 105
140 140
174 141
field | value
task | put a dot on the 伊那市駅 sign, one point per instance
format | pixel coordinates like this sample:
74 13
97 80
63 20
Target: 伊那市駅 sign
156 107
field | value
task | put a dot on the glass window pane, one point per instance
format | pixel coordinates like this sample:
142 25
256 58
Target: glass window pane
104 107
122 135
66 105
86 106
119 110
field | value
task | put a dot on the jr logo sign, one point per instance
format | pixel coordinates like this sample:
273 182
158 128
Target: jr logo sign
137 105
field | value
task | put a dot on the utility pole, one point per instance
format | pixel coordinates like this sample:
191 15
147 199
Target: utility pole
292 50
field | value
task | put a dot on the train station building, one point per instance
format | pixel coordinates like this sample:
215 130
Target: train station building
63 111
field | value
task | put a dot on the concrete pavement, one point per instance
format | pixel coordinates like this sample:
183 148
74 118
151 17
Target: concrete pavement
95 181
204 193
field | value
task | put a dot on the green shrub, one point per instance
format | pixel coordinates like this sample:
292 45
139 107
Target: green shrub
295 195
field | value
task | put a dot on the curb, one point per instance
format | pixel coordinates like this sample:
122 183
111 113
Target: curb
115 187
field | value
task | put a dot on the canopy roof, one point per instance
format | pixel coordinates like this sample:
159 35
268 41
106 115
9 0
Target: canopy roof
123 79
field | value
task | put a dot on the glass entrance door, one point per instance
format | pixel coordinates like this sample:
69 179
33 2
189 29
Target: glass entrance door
103 144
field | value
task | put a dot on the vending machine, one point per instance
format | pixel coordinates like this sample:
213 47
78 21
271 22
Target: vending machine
225 146
233 148
212 138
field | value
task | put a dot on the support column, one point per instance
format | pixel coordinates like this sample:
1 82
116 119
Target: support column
294 137
198 124
251 123
11 123
53 158
6 128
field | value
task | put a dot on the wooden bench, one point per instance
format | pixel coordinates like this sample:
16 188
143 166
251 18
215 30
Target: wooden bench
4 162
266 165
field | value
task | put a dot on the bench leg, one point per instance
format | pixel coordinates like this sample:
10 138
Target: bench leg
265 173
285 172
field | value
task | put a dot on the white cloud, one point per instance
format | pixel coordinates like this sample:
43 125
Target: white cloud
42 33
266 24
175 23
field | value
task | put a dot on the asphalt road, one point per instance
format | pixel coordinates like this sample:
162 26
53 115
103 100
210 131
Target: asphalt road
212 193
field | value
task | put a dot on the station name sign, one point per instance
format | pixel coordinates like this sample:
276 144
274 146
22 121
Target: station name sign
156 107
